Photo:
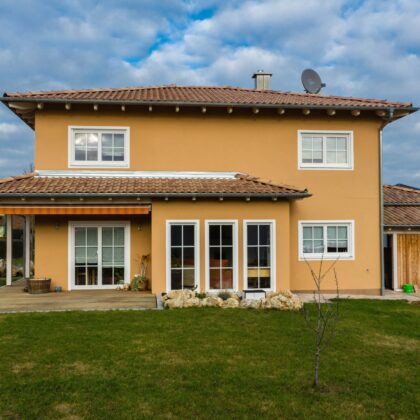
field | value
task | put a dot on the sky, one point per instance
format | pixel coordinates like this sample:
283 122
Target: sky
361 48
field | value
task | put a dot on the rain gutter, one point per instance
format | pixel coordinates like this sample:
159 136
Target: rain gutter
159 195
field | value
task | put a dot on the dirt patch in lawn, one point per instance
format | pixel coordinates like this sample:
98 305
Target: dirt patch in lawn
392 341
65 411
22 367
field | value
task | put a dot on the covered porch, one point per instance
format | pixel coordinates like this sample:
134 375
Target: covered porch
52 255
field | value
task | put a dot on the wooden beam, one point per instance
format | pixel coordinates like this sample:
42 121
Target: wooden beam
9 234
355 112
46 210
281 111
27 238
330 112
394 261
306 111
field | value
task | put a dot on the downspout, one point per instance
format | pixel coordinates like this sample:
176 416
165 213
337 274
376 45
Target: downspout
381 200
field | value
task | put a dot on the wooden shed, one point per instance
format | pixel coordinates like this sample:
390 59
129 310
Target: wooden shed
401 236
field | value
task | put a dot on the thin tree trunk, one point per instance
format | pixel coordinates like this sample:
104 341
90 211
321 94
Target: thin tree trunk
317 356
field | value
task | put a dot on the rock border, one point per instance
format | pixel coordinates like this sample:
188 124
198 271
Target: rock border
284 300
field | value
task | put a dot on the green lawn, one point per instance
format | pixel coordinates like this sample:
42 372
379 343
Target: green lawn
209 363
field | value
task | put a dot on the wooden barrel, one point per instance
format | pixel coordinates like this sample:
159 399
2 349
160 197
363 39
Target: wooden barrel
37 286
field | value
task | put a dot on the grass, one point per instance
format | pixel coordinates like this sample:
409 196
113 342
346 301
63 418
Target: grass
209 363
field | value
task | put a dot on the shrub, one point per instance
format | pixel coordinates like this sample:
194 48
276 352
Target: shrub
225 295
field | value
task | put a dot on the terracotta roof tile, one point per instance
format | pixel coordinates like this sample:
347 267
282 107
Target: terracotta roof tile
402 215
207 95
401 206
395 194
239 185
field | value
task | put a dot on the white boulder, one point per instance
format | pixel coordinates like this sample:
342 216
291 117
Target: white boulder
230 303
212 301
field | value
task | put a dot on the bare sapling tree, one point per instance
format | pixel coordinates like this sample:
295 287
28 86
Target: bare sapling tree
322 321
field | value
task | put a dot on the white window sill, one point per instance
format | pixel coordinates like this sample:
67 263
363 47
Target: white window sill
89 165
326 257
323 168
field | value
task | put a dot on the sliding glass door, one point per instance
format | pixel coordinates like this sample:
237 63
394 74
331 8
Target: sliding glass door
100 254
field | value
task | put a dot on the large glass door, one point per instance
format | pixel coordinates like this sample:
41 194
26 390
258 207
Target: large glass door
86 256
99 256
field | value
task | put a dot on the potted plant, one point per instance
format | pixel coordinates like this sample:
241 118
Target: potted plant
140 282
38 285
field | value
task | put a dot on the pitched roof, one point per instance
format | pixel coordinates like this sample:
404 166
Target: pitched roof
206 95
402 216
401 206
238 185
394 194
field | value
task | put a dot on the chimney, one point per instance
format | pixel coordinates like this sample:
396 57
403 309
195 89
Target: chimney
262 80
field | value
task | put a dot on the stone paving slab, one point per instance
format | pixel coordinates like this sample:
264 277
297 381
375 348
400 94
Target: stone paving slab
13 299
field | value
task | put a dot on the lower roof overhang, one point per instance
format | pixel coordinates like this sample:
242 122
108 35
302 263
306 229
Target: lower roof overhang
74 210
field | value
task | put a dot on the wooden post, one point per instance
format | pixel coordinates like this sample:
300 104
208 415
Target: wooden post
395 261
8 250
27 238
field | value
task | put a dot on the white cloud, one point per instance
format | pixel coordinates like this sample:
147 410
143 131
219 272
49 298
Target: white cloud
361 48
8 128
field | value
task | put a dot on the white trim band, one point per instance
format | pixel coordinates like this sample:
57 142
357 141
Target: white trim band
138 174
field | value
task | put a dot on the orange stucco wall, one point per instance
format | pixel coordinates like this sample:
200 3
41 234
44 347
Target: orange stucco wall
265 146
215 210
51 245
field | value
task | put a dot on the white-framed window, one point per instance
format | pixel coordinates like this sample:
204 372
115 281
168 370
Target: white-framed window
182 254
259 254
99 254
221 255
325 149
326 240
99 147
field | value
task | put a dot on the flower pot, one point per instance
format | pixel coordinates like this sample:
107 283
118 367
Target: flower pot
408 288
144 285
38 286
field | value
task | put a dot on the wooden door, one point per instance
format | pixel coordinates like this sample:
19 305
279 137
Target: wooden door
408 259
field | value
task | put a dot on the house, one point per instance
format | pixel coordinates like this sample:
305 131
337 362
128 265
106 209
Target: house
401 236
225 188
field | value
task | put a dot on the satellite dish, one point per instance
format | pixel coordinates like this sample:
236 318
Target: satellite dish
311 81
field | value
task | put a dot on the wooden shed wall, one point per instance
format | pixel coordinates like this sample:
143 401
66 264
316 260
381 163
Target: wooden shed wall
408 259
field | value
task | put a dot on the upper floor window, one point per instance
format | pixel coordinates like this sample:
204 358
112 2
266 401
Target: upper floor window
325 149
99 147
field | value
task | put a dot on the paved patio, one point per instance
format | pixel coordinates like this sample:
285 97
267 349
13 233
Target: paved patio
389 295
13 299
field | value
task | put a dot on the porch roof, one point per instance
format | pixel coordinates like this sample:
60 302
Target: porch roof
401 206
160 184
404 216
